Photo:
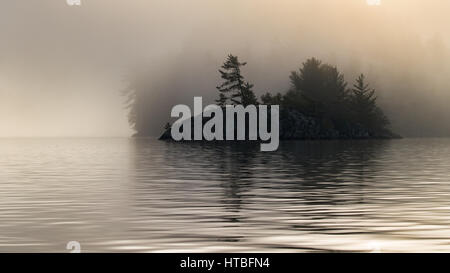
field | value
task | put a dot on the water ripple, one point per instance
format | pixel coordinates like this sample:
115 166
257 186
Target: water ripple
141 195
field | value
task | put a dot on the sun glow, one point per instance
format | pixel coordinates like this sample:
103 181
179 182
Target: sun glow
373 2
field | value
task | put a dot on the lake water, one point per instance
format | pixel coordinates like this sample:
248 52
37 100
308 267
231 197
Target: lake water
142 195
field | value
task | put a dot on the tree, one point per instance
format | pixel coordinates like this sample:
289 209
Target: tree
364 107
308 80
269 99
363 97
318 89
222 100
130 93
234 86
248 96
138 96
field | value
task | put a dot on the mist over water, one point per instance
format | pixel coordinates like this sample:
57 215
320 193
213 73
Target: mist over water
61 67
140 195
76 175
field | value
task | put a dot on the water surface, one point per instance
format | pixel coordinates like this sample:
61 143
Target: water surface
143 195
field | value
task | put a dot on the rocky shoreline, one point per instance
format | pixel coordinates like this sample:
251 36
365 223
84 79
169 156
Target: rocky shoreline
297 126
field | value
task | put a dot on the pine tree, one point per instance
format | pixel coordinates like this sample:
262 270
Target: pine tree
222 100
130 93
363 104
269 99
234 86
363 100
248 96
320 89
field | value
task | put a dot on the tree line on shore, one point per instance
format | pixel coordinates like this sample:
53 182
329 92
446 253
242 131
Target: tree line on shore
317 90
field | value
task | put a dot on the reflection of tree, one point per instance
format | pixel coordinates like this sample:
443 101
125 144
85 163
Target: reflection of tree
226 165
201 167
237 165
336 168
223 179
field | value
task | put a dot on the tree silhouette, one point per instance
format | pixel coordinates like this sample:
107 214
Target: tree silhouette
222 100
131 104
319 89
269 99
364 107
248 96
234 87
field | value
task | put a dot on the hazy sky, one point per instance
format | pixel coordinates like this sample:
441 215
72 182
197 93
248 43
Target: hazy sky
61 66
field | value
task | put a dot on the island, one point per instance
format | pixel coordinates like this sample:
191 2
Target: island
318 105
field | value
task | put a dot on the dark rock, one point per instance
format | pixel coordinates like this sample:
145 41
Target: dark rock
297 126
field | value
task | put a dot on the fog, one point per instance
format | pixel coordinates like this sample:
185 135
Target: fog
62 67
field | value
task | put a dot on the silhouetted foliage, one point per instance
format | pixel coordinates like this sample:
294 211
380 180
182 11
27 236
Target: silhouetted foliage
234 87
131 105
137 97
248 96
222 100
269 99
364 107
318 91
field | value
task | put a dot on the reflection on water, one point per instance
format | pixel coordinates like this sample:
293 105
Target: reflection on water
147 195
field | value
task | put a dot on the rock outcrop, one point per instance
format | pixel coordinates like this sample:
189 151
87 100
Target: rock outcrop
297 126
